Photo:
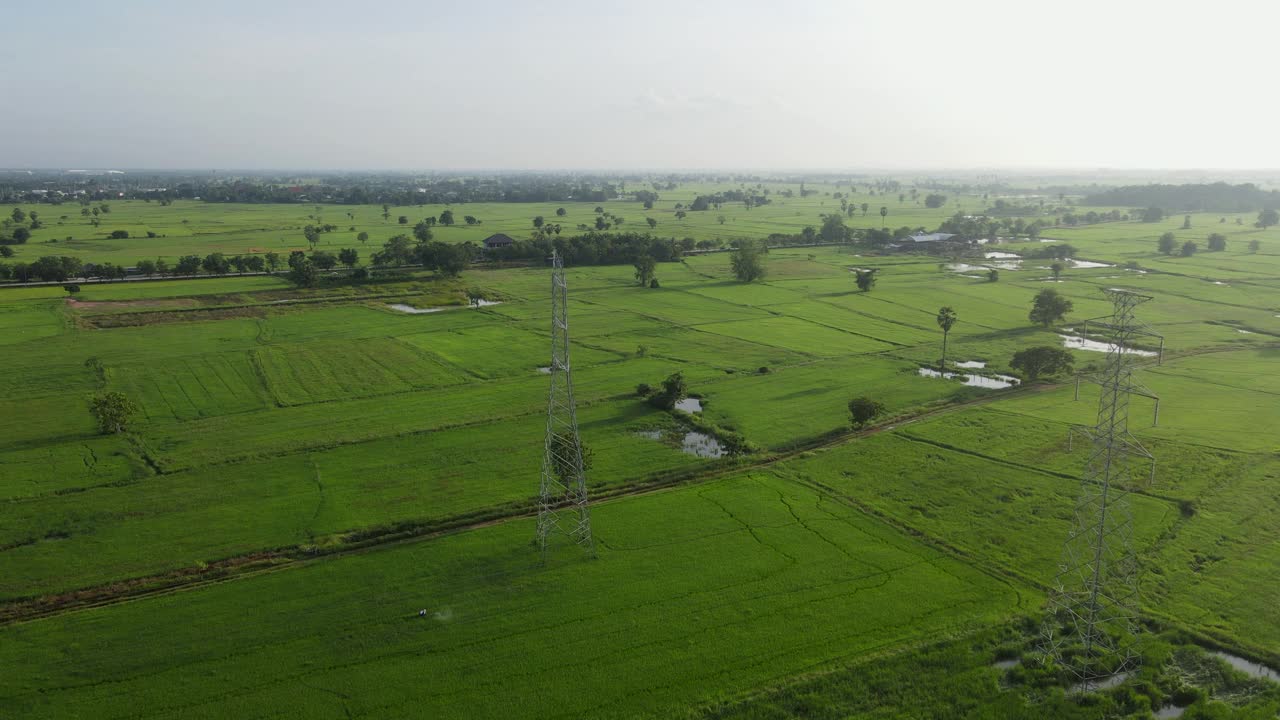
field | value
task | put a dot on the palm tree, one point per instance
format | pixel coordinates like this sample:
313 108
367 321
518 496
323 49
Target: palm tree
946 318
883 211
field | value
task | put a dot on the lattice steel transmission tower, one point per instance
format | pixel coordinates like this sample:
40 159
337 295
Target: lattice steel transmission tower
562 498
1093 609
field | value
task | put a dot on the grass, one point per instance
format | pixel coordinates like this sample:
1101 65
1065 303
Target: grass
696 592
311 424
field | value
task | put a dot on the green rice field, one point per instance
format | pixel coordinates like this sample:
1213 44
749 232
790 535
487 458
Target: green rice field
323 506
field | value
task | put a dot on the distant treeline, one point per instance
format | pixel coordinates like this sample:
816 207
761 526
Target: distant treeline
1215 197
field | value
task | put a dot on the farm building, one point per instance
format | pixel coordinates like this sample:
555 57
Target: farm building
498 240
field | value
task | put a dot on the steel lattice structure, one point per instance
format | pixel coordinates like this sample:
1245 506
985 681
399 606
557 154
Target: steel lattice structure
1093 608
562 497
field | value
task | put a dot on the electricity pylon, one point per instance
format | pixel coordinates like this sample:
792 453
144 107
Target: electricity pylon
1093 609
562 498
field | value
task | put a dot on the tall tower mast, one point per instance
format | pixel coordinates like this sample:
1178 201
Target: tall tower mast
1093 608
562 498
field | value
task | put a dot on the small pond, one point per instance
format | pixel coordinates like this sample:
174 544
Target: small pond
972 364
1079 343
1249 667
996 382
1086 264
690 405
400 307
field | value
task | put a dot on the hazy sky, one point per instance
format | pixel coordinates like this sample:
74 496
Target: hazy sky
641 84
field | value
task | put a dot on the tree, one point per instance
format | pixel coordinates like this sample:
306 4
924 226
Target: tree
1049 307
538 221
112 410
187 265
273 261
934 200
747 261
674 389
422 231
865 279
865 208
1217 242
147 267
1167 243
21 235
396 251
946 319
1152 215
833 229
403 219
119 234
6 251
363 237
1188 248
1254 245
561 212
1186 222
1042 360
652 223
564 455
993 275
386 211
680 214
215 264
1268 217
349 257
446 218
18 215
312 235
863 410
884 212
323 260
644 269
254 263
1057 269
304 273
720 219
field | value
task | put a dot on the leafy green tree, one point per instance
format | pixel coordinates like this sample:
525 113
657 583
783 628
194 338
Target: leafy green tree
1188 248
561 212
1217 242
254 263
1186 222
564 450
446 218
865 208
187 265
147 267
993 275
934 200
18 215
863 410
1152 215
349 257
112 411
6 251
1167 243
273 261
865 279
323 260
396 251
645 268
538 221
674 389
304 273
1049 307
1268 217
747 261
363 237
946 319
833 229
403 220
312 234
471 219
1254 245
652 222
1057 269
422 231
1041 360
215 264
21 235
